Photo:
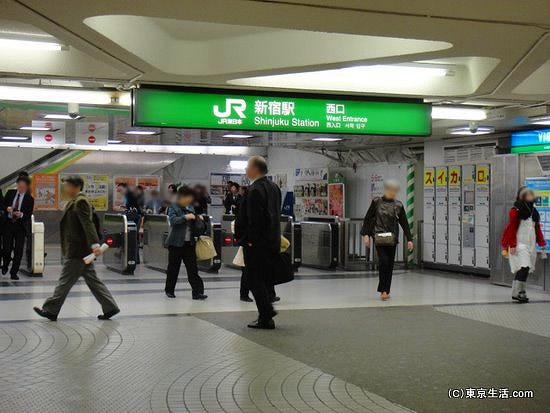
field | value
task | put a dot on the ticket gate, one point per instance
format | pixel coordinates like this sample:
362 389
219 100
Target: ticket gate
155 232
321 242
121 236
34 255
293 232
155 255
229 243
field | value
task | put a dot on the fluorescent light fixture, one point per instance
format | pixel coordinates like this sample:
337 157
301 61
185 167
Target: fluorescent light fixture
237 136
456 113
62 116
237 165
59 95
540 120
326 139
29 45
465 130
36 128
15 138
140 132
113 142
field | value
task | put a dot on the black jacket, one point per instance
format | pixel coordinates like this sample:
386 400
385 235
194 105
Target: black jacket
231 201
26 207
258 221
386 215
2 211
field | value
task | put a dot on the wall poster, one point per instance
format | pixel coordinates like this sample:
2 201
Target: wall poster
96 188
336 200
45 191
311 192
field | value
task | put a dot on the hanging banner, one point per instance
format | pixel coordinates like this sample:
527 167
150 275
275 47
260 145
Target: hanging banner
54 133
256 111
91 133
45 191
336 200
96 188
118 197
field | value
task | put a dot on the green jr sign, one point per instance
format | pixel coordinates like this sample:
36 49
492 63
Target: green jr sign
254 111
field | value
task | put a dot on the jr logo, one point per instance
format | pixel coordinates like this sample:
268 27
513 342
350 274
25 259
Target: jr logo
237 105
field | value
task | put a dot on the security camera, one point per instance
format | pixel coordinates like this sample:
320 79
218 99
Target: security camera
473 127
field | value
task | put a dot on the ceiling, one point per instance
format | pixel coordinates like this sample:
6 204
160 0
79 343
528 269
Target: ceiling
497 52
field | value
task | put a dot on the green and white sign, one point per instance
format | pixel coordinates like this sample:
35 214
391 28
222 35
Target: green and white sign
238 110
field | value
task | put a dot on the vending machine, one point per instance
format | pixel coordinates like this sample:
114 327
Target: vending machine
455 215
441 215
482 193
468 215
428 229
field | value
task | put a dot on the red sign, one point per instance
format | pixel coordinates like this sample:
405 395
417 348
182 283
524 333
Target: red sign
91 128
48 138
48 125
91 139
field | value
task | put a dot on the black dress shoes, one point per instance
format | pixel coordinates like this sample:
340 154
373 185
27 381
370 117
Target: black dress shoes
275 299
262 325
45 314
247 299
170 295
108 315
5 270
14 277
200 297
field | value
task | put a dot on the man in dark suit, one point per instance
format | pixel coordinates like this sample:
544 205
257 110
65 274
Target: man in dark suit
78 239
260 237
232 199
19 206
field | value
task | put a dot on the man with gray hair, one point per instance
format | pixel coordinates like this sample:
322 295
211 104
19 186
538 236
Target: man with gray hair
260 237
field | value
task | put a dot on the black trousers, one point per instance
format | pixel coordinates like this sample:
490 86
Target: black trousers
386 259
13 242
522 274
186 254
245 289
258 263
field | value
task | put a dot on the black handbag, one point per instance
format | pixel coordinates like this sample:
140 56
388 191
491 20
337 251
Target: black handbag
387 239
282 270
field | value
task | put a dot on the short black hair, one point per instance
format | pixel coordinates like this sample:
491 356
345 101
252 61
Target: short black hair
235 184
23 177
75 180
185 190
139 187
173 188
122 184
260 163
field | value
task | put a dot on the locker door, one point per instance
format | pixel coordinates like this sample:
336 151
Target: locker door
482 257
455 214
482 216
467 238
428 231
441 214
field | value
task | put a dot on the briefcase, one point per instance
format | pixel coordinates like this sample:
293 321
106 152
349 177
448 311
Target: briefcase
283 270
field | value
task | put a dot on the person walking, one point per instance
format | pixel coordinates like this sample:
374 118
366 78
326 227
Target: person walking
3 222
19 205
78 239
184 226
260 237
519 241
381 223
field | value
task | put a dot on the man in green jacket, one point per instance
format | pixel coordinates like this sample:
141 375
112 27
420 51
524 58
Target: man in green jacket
78 239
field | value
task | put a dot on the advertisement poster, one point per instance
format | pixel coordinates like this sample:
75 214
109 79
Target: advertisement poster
131 181
280 180
311 192
96 188
149 183
541 188
376 185
336 200
45 191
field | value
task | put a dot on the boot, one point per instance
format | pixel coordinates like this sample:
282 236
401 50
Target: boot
522 294
515 290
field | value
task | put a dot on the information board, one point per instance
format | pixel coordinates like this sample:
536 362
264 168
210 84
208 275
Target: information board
541 188
254 111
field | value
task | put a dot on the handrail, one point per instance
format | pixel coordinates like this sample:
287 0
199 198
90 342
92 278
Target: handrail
33 166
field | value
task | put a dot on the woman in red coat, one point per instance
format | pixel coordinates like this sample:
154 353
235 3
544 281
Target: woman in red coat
519 241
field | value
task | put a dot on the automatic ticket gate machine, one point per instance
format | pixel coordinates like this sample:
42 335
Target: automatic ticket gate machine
229 243
292 231
321 241
155 254
34 255
121 236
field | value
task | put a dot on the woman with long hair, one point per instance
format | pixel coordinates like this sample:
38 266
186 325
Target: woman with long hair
519 241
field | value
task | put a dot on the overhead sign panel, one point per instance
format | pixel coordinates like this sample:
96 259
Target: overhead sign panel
531 141
255 111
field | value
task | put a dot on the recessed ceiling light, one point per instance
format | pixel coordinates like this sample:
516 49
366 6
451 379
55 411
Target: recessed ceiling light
15 138
540 120
237 136
140 132
113 142
36 128
237 165
60 95
29 45
456 113
327 139
466 130
62 116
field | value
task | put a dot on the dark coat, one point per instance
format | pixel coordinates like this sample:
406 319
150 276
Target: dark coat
262 214
386 215
27 206
78 232
231 201
179 225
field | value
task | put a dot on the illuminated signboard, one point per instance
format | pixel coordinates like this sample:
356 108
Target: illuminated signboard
531 141
255 111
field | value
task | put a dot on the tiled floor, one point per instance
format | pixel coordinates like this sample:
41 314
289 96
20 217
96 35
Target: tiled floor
156 356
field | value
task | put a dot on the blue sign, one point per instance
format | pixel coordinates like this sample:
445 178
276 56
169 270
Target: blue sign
531 137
